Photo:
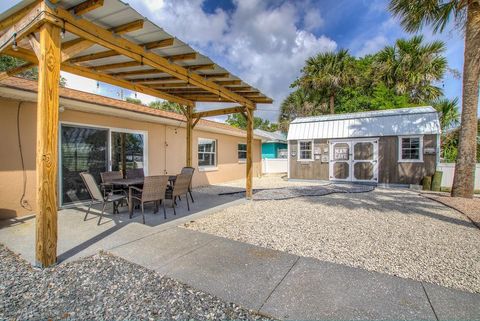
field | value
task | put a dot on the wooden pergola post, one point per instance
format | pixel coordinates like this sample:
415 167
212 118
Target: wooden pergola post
188 114
249 183
49 60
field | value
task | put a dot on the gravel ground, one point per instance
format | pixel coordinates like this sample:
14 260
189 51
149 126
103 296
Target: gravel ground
469 207
102 287
392 231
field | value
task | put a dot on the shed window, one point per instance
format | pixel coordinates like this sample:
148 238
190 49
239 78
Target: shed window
242 152
305 150
411 149
207 152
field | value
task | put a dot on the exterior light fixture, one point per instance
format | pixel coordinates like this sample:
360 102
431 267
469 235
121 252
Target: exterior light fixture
14 45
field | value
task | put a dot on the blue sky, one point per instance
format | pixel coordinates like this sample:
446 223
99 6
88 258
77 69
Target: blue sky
266 42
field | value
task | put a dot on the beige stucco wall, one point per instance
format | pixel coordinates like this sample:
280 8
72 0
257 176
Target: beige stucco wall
166 152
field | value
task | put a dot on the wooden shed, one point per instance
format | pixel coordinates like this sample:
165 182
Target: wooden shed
398 146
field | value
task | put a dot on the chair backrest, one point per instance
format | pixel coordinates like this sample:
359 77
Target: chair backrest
154 188
135 173
190 171
92 186
182 182
107 177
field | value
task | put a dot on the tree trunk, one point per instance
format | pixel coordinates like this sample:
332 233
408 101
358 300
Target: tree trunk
332 104
463 182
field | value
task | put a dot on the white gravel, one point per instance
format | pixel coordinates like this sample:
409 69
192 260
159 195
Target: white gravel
392 231
103 287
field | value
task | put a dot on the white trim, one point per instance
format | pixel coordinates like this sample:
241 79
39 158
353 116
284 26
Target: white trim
208 168
241 160
288 160
420 151
311 159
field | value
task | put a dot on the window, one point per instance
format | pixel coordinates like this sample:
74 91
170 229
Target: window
410 149
207 152
305 150
242 152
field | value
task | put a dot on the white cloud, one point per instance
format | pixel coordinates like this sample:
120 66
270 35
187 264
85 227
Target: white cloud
259 41
372 45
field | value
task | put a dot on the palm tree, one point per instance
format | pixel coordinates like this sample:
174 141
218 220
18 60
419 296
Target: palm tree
299 103
328 72
448 112
410 67
466 15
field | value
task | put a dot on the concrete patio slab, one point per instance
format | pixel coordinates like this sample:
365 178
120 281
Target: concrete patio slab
235 271
320 290
451 304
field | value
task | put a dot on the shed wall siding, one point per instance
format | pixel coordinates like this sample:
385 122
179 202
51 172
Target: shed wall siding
390 171
160 158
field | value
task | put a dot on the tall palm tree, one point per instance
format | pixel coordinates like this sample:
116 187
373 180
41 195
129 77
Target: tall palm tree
328 72
448 112
466 15
299 103
411 66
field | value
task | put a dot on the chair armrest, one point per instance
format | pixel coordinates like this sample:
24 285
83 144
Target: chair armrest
135 188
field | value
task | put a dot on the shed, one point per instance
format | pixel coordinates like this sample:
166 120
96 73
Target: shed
397 146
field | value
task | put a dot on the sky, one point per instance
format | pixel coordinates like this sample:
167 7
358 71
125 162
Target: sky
266 42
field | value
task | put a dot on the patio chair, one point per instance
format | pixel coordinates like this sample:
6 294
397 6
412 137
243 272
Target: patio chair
179 188
190 171
135 173
97 196
107 178
153 190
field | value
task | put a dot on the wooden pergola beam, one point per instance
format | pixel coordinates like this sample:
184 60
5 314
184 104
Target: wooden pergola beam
89 73
99 35
30 22
218 112
159 80
128 27
155 71
118 65
13 19
249 162
86 6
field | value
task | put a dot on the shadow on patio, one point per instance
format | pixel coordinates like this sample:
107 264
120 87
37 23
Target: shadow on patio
79 238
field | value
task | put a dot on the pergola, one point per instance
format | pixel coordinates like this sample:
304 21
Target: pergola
108 41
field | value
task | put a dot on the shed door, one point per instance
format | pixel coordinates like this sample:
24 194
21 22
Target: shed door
354 160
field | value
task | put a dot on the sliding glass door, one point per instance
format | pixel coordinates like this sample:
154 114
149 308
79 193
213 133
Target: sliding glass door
83 149
95 150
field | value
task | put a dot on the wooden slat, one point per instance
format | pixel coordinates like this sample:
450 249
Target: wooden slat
128 27
159 80
171 85
201 67
97 34
159 43
73 47
47 146
118 65
112 53
89 73
86 6
136 73
219 112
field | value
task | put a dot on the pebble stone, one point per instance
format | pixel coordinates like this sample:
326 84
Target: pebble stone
103 287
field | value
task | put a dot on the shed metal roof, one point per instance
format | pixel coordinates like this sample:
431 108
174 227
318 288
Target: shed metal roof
392 122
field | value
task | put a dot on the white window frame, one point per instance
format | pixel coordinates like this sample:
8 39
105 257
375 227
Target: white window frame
299 152
242 160
420 152
206 168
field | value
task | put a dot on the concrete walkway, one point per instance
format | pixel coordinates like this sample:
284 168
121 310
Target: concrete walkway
286 286
275 283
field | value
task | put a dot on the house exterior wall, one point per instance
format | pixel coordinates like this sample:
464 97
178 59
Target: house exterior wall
390 170
270 150
166 152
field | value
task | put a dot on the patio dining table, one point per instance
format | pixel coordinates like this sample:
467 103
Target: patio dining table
127 182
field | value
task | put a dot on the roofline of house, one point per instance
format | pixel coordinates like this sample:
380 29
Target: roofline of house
144 114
